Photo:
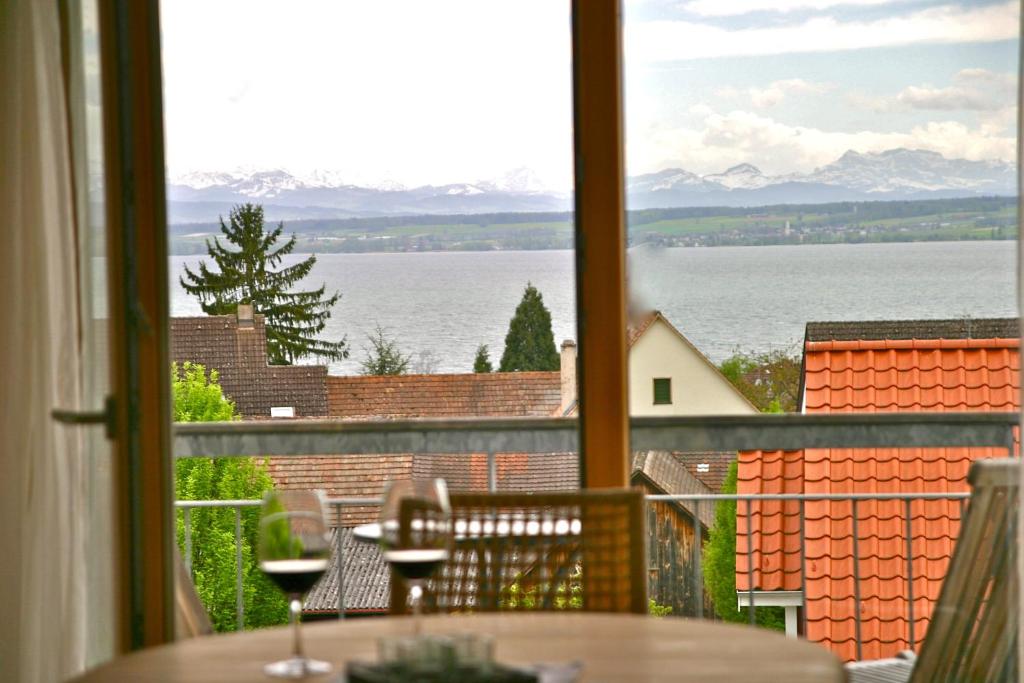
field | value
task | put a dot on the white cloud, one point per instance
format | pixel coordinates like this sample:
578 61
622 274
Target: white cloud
725 8
723 140
972 89
660 41
764 98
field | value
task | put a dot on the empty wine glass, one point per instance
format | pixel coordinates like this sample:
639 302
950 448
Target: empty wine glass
416 534
294 547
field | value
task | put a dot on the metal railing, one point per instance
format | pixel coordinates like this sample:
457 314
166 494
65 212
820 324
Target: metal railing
559 435
693 503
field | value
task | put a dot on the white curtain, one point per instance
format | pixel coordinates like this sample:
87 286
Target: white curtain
44 477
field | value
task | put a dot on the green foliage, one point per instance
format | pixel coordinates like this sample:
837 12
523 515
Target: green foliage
383 356
720 566
482 362
568 594
656 610
251 273
530 344
769 379
198 398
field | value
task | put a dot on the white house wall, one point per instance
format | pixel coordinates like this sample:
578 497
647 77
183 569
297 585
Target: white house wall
697 386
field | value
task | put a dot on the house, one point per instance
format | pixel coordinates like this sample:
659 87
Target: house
668 375
888 366
236 347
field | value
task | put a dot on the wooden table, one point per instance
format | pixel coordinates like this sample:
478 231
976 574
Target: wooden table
612 648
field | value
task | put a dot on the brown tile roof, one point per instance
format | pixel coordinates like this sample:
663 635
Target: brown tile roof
239 354
515 471
711 467
873 376
342 476
497 394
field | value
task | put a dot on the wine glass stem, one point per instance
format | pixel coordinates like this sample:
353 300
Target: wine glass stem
416 593
295 612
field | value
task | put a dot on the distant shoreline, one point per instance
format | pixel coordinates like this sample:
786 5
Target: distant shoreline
932 220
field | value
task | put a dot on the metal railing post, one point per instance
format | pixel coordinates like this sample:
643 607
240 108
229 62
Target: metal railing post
239 592
910 574
340 562
187 521
492 471
856 578
750 564
698 575
803 568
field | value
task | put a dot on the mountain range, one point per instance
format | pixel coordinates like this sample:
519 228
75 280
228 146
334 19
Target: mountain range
890 175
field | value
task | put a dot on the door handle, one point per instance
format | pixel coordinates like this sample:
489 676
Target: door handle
105 417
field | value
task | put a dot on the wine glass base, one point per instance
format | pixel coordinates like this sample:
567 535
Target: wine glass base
297 667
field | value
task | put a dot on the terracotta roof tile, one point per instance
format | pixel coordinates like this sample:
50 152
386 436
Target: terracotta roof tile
239 354
498 394
844 373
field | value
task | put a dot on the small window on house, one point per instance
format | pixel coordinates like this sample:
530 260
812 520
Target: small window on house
662 390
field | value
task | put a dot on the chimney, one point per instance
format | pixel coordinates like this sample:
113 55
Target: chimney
244 314
568 374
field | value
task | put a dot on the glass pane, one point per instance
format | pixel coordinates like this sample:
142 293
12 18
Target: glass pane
423 153
822 219
85 104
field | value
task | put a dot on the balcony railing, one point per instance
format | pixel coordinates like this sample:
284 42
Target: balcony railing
559 435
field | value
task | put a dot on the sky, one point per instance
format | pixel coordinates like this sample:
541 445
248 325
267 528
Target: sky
381 92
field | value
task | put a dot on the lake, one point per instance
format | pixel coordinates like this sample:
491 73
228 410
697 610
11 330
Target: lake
440 306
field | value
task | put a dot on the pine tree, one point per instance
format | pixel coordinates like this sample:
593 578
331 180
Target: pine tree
482 362
251 273
384 357
530 344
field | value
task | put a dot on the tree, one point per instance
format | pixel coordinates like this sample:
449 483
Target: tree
482 362
530 344
770 379
384 357
720 565
251 273
198 398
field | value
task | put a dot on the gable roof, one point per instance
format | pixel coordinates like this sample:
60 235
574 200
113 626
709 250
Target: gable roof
874 374
492 394
237 350
639 326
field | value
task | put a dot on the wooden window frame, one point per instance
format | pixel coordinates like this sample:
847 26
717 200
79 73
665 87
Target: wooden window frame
133 113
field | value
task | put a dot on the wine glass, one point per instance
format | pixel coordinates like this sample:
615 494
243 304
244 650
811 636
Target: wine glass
294 548
416 533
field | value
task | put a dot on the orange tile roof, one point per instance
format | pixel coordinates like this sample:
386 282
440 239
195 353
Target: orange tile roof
872 375
497 394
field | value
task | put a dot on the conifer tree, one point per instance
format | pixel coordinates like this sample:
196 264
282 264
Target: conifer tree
383 356
482 362
251 273
530 344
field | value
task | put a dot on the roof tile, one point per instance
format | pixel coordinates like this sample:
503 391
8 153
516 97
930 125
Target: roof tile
844 372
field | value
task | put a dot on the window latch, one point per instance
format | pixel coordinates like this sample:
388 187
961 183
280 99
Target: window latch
105 417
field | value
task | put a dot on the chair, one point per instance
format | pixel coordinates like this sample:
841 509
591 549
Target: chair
973 631
972 635
540 552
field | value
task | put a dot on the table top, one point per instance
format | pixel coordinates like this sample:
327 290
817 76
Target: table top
612 647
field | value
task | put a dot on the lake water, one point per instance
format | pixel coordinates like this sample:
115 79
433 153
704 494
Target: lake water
445 304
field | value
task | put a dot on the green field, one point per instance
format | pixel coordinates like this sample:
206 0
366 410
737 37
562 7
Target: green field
926 220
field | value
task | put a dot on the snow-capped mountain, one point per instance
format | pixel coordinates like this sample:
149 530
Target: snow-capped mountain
913 170
893 174
743 176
